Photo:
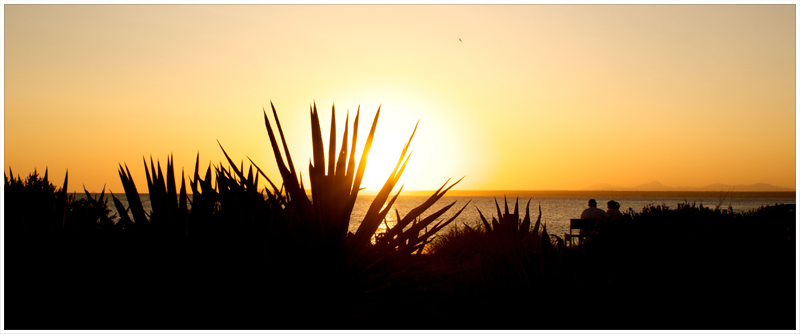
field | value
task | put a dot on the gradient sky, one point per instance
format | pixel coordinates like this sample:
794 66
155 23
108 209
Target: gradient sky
536 97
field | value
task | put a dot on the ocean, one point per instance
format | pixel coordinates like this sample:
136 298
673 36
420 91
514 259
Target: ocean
557 207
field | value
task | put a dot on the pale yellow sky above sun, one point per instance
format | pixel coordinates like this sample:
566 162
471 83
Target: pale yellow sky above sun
536 97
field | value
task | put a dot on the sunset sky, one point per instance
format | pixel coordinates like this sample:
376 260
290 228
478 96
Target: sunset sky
535 97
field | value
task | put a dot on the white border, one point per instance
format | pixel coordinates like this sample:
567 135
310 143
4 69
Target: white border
253 2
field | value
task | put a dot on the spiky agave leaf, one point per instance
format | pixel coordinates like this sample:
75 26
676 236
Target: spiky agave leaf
538 220
124 219
172 191
247 182
428 236
158 196
544 242
376 212
486 225
399 241
132 195
344 183
276 193
290 178
373 216
417 211
183 207
405 243
61 202
526 222
410 237
323 192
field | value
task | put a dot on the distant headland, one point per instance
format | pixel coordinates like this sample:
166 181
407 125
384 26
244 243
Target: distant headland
652 189
601 193
716 187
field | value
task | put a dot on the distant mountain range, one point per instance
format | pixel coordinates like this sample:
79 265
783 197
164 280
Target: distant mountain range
657 186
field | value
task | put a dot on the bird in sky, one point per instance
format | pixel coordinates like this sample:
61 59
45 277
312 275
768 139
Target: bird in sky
460 40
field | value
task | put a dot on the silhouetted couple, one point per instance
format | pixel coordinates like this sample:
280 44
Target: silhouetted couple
592 212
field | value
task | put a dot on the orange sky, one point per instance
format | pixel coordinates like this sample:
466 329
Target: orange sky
536 96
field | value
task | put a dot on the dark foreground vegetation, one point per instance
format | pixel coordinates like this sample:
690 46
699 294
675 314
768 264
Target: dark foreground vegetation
240 256
691 267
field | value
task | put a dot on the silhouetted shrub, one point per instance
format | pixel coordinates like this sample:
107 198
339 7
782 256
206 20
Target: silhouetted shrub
33 205
691 267
234 256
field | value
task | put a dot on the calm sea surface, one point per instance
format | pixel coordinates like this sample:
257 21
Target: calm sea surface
556 210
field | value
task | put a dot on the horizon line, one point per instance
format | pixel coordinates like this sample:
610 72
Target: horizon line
576 193
581 190
405 191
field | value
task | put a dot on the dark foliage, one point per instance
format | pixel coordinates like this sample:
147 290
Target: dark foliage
691 267
236 256
240 255
34 205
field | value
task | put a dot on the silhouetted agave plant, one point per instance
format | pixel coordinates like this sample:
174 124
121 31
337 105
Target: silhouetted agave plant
169 208
516 244
324 219
286 220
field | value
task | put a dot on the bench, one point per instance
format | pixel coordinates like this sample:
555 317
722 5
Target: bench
584 227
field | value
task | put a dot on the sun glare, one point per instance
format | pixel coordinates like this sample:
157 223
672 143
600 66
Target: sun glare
433 153
434 147
386 148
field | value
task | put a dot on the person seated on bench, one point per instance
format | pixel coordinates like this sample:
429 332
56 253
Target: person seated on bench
613 209
592 212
